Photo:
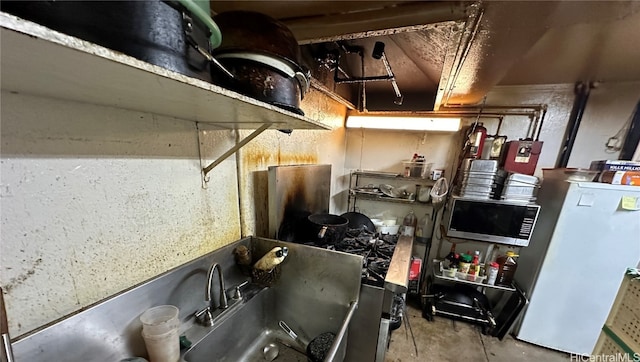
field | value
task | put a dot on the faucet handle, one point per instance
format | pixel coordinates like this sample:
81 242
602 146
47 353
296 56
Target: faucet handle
205 317
238 294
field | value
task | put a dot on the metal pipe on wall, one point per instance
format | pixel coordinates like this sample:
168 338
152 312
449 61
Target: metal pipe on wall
632 140
544 113
463 113
475 106
581 91
471 26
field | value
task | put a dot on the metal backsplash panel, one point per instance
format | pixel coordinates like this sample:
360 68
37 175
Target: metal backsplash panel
294 193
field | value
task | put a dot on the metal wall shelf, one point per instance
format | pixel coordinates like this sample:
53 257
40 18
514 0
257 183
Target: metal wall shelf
39 61
387 199
440 275
394 176
356 177
42 62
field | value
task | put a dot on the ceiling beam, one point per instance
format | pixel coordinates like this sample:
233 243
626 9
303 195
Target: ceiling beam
402 18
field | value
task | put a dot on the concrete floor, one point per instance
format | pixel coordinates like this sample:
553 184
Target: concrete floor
446 340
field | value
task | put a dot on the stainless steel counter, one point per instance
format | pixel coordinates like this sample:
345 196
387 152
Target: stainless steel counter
370 325
397 279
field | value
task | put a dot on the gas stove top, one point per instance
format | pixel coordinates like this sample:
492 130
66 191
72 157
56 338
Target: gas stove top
376 250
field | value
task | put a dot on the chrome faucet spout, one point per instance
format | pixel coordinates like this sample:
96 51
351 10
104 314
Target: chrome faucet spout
223 295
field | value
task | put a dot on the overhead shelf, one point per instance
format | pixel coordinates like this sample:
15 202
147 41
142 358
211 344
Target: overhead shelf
42 62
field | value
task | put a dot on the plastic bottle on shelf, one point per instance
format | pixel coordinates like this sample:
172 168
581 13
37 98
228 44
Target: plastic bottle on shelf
423 229
474 269
453 266
492 273
492 256
476 262
465 263
507 268
451 257
409 224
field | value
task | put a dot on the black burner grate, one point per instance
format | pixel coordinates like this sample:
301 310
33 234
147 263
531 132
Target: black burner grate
377 251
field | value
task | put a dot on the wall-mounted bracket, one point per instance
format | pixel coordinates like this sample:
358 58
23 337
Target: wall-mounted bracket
232 150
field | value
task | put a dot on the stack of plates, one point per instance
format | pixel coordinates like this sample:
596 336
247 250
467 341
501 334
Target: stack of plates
520 188
481 179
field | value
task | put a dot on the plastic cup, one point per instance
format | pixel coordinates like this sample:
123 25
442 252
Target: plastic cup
160 320
163 347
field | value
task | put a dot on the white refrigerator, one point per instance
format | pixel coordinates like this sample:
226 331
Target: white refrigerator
586 235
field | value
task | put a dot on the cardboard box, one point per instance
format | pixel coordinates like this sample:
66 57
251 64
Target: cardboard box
615 165
631 178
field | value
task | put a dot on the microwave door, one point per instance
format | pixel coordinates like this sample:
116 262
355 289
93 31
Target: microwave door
497 222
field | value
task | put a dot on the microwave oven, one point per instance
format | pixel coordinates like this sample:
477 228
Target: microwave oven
492 220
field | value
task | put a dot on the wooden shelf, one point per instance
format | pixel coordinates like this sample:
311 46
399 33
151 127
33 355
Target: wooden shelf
42 62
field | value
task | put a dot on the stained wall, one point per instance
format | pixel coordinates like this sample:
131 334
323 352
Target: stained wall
274 148
96 199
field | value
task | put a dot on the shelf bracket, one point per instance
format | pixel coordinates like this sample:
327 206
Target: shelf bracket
232 150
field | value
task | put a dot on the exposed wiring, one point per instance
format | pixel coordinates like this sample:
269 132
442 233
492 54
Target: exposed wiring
475 123
614 143
407 323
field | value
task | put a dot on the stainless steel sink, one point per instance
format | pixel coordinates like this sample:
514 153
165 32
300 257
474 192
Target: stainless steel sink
243 335
317 287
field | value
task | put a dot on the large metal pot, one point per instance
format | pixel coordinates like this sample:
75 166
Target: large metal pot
327 228
281 87
258 33
359 221
264 58
166 34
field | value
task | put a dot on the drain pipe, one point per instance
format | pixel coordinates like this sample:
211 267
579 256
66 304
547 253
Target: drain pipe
581 91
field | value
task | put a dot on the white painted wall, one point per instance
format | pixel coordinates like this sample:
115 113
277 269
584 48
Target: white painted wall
383 150
96 199
609 107
608 112
559 99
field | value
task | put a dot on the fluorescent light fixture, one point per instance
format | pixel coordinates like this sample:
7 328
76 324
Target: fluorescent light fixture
410 123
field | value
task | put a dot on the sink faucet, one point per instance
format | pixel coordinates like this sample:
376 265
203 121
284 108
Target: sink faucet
205 316
223 294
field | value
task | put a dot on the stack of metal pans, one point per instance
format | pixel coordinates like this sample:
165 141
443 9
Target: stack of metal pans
520 188
481 179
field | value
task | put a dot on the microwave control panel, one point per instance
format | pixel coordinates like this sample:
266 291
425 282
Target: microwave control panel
529 219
